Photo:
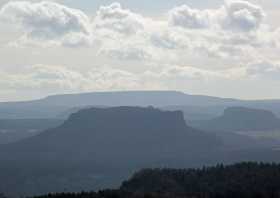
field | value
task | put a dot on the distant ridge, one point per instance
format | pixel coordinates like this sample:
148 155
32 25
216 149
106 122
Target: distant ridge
242 119
122 98
135 98
52 106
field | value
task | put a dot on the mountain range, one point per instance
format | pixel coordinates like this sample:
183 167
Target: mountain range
201 106
92 141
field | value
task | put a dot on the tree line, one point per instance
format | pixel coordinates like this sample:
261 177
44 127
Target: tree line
242 180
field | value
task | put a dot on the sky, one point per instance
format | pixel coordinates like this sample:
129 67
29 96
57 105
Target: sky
225 48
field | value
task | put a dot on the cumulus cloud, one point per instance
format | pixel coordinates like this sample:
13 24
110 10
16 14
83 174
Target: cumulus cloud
232 32
242 15
227 41
236 15
114 18
47 21
186 17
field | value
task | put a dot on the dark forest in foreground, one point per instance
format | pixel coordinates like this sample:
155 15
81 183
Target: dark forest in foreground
243 180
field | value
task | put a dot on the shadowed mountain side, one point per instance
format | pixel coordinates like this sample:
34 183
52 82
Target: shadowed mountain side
98 147
26 124
121 131
12 130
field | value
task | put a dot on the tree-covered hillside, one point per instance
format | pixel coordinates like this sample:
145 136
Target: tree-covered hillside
239 180
243 180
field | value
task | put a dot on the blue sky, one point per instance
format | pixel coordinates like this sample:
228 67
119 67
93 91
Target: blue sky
158 6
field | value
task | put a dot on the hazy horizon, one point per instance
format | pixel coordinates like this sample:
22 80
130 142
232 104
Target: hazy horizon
119 91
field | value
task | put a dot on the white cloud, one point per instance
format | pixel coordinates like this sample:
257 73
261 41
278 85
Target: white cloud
126 53
224 32
114 18
45 77
264 70
232 34
186 17
47 21
185 73
276 37
113 79
242 15
56 79
60 79
237 15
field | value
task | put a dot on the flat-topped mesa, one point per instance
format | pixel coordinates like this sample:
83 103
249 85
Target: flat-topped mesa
251 119
249 112
134 117
134 131
242 119
122 98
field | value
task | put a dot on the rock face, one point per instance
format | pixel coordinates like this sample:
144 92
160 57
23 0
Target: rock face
98 147
242 119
